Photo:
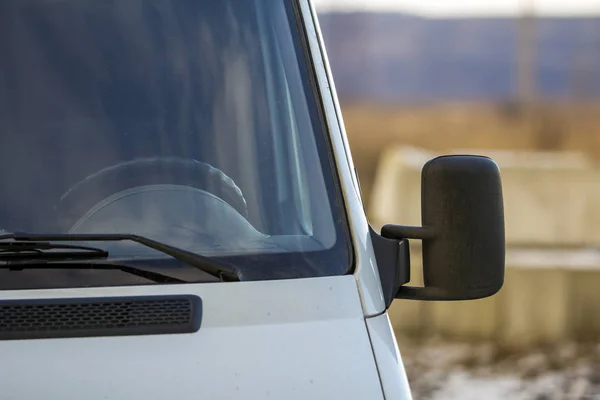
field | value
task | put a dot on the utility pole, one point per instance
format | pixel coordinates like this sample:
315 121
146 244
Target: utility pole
585 62
544 126
527 55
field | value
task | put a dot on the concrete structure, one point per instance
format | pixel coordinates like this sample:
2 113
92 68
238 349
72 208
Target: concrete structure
552 211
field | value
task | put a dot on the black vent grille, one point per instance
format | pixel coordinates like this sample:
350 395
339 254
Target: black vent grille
61 318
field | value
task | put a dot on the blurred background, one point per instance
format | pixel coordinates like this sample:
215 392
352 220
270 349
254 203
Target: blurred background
518 80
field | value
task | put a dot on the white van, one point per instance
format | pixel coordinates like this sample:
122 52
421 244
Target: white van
181 218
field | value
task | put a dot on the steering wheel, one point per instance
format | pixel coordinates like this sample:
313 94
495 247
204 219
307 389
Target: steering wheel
142 172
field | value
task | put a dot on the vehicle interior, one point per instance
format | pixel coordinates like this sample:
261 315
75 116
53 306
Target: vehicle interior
98 97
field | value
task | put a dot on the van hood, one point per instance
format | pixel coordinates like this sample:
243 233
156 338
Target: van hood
296 339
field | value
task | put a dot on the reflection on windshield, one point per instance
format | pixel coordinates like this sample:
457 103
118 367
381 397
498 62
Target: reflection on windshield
185 121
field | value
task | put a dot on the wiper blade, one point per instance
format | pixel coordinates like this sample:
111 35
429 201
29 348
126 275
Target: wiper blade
16 251
29 250
142 273
225 272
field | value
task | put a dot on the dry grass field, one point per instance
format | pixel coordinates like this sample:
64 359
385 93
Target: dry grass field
371 128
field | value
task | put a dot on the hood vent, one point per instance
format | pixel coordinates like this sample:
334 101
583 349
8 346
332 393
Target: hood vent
105 316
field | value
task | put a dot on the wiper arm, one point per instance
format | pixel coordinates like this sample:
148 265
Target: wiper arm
142 273
26 250
225 272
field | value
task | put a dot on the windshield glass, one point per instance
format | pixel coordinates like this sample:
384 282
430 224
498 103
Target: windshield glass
190 122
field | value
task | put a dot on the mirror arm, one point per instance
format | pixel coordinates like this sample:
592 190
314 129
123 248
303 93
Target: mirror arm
400 232
425 294
422 293
437 294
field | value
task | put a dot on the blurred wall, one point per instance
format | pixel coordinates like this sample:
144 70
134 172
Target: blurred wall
552 213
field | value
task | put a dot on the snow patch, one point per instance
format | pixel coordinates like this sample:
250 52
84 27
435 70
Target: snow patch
474 372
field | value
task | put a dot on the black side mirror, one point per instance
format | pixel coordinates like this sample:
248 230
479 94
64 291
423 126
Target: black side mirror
462 232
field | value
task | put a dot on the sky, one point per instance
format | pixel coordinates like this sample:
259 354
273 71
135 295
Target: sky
450 8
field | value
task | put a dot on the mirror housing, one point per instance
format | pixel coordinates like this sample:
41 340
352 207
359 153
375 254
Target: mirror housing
462 233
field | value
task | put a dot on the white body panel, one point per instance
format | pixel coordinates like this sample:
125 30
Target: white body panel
325 338
366 273
301 339
391 369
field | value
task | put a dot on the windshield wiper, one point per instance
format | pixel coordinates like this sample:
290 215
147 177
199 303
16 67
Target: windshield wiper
225 272
14 252
19 250
142 273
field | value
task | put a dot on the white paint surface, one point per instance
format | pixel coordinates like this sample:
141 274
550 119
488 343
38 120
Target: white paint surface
300 339
391 368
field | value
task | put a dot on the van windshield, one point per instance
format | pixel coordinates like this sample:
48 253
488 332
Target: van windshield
190 122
